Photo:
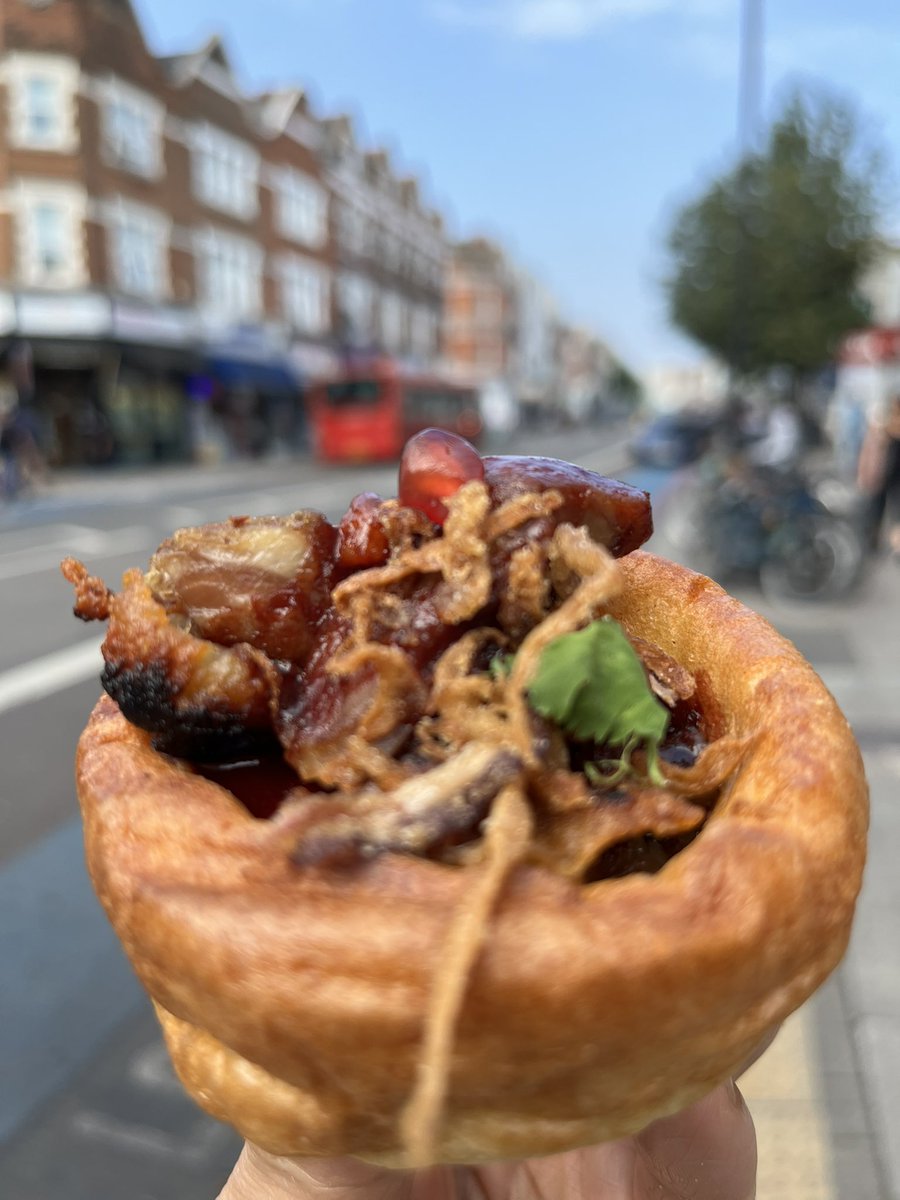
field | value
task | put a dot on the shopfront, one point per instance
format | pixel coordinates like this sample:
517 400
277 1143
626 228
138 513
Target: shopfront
110 379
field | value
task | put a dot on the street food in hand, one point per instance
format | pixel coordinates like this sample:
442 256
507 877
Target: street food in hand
462 829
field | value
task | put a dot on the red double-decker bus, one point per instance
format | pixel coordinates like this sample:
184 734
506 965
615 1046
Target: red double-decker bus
365 412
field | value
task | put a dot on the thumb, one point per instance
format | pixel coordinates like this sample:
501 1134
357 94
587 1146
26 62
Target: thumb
707 1152
261 1176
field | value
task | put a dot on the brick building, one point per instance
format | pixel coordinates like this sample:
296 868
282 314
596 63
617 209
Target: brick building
168 249
391 251
480 312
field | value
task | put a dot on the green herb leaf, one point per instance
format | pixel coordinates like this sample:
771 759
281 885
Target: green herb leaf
501 665
592 684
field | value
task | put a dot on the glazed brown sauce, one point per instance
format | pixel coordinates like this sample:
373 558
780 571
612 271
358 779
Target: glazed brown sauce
641 855
259 784
686 734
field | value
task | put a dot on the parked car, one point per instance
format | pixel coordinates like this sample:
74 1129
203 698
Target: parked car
673 439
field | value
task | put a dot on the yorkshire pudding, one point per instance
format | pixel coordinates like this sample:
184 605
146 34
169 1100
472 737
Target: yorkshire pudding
293 1001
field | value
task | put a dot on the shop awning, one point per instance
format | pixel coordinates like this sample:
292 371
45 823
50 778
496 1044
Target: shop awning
274 376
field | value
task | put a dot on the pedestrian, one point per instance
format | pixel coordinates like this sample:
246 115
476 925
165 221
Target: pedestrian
707 1152
24 464
779 440
878 475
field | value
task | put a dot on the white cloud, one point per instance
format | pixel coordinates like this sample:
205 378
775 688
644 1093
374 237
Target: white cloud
560 20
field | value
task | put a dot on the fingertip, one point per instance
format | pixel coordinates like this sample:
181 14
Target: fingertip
707 1152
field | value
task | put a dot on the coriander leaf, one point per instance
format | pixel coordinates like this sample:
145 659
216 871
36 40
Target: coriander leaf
501 665
592 684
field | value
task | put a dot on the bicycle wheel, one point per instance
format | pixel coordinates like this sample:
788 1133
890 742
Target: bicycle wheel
816 558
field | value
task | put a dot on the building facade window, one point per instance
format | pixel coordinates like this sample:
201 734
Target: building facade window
301 208
43 110
42 91
489 355
132 129
305 294
50 234
355 300
393 321
51 241
421 332
393 251
352 233
229 274
488 307
139 250
224 171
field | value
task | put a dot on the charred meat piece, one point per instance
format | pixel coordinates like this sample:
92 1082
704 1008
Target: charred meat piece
264 581
200 700
431 811
615 514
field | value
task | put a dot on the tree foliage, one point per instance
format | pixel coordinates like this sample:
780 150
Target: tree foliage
766 264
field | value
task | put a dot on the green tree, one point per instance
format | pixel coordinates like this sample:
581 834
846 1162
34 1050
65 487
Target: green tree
766 264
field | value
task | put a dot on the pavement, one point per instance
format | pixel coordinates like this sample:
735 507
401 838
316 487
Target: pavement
825 1097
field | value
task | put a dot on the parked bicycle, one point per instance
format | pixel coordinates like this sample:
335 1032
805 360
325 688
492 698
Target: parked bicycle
801 536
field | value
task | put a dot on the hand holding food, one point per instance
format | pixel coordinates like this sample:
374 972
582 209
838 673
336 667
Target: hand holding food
706 1152
463 829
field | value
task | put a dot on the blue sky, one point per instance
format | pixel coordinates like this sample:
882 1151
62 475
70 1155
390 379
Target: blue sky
567 128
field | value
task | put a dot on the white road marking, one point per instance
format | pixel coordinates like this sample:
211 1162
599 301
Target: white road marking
150 1067
257 504
15 541
180 516
92 543
192 1146
43 676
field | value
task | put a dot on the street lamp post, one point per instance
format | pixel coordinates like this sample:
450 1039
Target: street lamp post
750 79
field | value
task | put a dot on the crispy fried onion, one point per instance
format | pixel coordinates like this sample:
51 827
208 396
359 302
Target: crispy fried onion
507 835
461 557
465 705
